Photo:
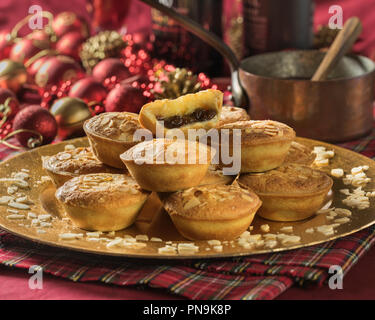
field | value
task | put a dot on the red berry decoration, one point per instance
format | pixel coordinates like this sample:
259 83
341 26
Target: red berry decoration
125 97
110 67
66 22
56 70
89 90
37 119
70 44
27 48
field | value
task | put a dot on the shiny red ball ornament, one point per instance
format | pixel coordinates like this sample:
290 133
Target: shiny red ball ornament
70 44
35 66
125 97
67 21
89 90
110 67
39 35
37 119
56 70
10 108
6 44
27 48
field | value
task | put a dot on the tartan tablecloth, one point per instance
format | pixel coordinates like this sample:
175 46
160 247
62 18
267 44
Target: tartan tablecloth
255 277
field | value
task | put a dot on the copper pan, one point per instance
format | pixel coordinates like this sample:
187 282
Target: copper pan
277 86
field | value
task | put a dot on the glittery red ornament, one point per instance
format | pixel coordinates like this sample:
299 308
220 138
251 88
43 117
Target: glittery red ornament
70 44
110 67
125 97
66 22
10 108
27 48
37 119
89 90
57 70
6 44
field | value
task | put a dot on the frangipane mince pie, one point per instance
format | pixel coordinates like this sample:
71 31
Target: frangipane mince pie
102 201
165 165
289 193
68 164
110 134
199 110
221 212
264 144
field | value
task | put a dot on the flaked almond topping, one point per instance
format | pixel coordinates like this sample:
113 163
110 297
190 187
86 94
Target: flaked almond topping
246 197
64 156
193 202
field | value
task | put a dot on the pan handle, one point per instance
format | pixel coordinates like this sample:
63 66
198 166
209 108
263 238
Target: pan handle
239 96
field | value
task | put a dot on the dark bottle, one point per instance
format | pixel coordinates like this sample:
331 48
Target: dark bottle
273 25
181 48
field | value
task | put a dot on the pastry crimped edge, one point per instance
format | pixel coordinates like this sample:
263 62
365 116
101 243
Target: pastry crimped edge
102 210
221 220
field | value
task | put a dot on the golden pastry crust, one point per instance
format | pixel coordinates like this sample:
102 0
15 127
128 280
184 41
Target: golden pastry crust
68 164
300 154
110 134
212 212
255 132
215 176
165 165
291 179
100 190
199 110
264 144
232 114
118 126
102 201
289 193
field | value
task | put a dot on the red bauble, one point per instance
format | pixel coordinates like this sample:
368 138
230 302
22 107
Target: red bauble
37 119
56 70
35 66
70 44
5 44
13 103
88 89
27 48
110 67
39 35
66 22
125 97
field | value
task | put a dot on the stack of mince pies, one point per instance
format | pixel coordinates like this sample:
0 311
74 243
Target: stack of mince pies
131 156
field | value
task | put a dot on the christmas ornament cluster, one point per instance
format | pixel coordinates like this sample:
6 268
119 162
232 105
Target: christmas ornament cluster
55 78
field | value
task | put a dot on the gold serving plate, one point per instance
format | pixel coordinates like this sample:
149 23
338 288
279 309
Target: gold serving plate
154 222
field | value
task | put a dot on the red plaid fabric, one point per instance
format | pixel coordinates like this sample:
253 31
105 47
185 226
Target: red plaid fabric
255 277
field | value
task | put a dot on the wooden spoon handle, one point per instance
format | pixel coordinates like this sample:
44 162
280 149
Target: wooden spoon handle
342 44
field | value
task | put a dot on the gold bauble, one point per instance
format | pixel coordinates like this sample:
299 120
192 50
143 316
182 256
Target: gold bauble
70 113
12 75
106 44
